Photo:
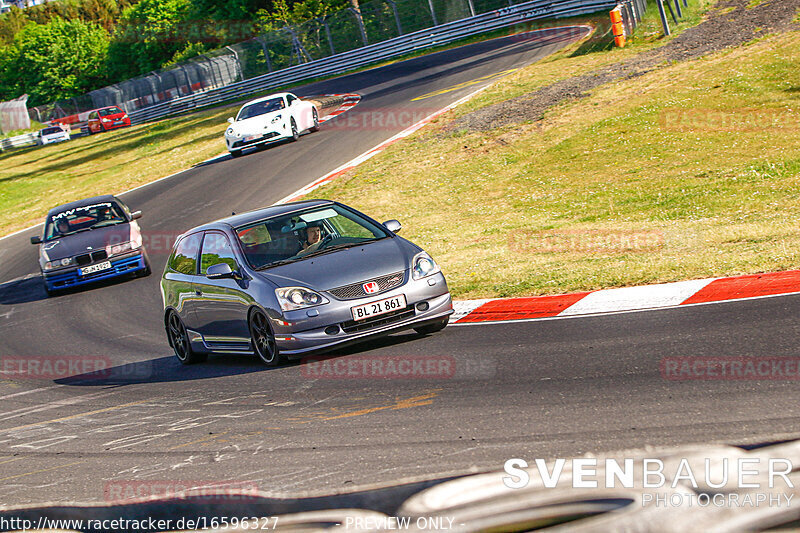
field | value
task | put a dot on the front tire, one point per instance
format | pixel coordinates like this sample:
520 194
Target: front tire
433 327
236 153
263 340
179 340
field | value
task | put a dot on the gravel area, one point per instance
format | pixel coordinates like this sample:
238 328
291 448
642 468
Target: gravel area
730 23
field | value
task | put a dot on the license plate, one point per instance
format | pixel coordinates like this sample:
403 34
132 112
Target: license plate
250 138
118 122
379 307
96 268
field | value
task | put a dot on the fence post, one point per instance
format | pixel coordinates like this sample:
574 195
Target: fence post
328 35
240 73
433 13
678 9
471 8
397 17
663 15
360 23
266 52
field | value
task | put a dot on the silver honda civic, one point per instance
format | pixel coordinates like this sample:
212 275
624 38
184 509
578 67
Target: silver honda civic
291 279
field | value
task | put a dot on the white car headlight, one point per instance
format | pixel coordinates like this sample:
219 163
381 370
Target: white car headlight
230 132
121 248
423 266
275 119
58 263
293 298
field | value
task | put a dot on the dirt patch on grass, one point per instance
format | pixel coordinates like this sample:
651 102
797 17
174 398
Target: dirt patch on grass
732 23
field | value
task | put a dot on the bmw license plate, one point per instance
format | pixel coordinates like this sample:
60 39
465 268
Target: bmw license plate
99 267
380 307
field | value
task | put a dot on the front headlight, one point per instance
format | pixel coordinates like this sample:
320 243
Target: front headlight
293 298
230 132
121 248
58 263
276 119
423 266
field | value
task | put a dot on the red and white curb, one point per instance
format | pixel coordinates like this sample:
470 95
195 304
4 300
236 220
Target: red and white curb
639 298
350 100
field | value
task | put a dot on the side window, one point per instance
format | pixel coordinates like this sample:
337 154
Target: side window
184 258
216 249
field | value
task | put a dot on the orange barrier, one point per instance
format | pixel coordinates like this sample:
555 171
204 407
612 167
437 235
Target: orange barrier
617 26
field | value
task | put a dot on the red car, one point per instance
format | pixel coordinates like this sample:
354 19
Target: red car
107 118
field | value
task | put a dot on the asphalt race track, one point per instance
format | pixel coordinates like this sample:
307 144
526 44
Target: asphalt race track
492 392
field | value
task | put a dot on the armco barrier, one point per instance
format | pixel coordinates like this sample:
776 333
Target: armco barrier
20 141
398 46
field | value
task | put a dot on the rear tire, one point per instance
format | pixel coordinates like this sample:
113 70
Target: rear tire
295 133
427 329
179 340
263 340
315 127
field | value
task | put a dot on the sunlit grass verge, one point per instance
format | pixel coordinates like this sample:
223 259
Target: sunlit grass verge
690 171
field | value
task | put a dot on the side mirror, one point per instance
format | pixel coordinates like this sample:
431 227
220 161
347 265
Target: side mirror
136 215
393 225
230 120
220 271
36 240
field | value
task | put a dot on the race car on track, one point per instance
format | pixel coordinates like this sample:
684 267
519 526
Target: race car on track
270 119
90 240
107 118
294 278
53 134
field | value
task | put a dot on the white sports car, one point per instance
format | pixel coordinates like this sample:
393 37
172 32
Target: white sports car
269 119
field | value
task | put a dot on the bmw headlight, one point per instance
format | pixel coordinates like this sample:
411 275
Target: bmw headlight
276 119
58 263
423 266
121 248
293 298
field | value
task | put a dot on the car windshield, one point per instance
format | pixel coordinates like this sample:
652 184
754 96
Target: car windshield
260 108
295 236
50 131
82 218
109 111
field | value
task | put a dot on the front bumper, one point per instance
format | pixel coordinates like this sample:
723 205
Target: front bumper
239 143
120 265
307 333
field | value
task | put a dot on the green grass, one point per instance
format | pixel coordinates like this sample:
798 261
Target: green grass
34 180
622 188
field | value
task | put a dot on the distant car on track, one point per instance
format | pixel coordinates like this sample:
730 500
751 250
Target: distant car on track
90 240
107 118
53 134
270 119
296 278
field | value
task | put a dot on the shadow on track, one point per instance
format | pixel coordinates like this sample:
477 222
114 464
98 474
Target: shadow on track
169 369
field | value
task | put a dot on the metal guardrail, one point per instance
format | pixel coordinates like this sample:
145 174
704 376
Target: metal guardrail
398 46
20 141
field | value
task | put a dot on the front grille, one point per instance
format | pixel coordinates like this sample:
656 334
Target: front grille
356 290
85 259
70 278
269 135
352 326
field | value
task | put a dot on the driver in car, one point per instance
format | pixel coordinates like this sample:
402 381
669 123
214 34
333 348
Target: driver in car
62 226
313 238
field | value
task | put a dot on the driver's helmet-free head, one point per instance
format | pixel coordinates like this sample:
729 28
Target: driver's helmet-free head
62 226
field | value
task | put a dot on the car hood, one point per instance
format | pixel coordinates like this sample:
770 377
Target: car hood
255 124
343 267
78 243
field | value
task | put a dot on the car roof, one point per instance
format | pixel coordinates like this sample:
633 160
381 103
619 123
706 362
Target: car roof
265 98
84 202
259 214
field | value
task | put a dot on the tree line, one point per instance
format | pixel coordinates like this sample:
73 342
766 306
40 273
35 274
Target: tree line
66 48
